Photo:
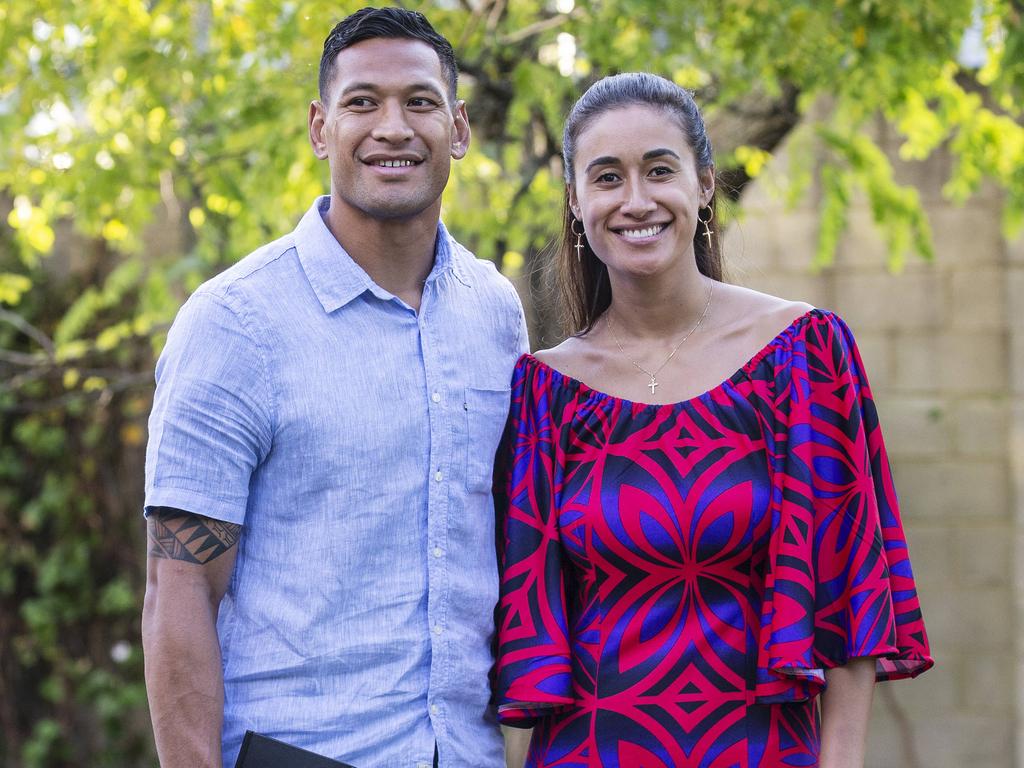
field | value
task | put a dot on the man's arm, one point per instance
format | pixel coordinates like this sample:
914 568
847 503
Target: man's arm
187 572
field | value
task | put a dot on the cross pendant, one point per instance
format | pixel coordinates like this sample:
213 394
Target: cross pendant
708 232
653 384
579 249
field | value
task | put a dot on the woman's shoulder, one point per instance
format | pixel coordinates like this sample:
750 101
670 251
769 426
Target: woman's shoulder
571 358
820 337
759 310
769 317
753 320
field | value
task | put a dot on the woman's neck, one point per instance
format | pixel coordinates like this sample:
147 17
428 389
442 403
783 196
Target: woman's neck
660 307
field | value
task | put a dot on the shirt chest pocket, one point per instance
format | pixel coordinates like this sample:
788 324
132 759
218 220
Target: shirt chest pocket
486 411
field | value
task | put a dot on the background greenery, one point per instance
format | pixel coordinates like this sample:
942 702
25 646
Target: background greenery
147 145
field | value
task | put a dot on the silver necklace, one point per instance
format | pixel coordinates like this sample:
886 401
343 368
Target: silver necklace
653 384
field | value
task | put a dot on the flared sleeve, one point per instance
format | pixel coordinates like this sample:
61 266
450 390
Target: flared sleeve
533 667
837 582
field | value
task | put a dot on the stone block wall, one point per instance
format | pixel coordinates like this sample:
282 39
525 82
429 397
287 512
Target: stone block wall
1013 292
944 350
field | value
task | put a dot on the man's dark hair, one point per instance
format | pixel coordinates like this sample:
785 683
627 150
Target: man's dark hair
370 23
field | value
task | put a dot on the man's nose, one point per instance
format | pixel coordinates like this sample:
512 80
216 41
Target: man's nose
392 126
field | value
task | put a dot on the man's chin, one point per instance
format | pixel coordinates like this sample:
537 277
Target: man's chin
396 210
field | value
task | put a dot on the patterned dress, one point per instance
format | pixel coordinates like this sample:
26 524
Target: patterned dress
676 578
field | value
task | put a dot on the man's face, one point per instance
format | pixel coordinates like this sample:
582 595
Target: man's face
387 129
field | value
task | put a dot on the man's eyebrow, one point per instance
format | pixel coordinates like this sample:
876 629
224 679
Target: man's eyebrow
358 87
427 87
375 87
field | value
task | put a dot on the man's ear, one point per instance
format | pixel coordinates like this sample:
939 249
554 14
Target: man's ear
460 132
316 129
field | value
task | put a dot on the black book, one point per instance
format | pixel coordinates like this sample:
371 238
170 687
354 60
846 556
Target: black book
260 751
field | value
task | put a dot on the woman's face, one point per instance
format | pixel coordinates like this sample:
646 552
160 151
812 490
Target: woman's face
637 190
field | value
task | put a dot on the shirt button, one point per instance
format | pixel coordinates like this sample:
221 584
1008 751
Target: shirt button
433 709
438 476
436 397
437 629
437 552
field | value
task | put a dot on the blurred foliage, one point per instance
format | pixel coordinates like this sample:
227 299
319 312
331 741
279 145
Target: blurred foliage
149 144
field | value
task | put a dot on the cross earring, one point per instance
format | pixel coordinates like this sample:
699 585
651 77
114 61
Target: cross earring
579 239
708 231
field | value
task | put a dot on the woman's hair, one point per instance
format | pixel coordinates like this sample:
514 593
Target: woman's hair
583 283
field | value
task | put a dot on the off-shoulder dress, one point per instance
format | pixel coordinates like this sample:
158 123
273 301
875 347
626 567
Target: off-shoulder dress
676 578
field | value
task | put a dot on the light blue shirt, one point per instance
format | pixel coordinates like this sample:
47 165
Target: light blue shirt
353 439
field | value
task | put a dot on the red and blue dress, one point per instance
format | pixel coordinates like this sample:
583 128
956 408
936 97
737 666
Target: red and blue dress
676 578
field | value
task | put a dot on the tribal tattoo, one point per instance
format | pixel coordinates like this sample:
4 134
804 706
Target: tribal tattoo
178 535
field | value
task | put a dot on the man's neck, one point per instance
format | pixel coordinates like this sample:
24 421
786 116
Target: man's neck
397 254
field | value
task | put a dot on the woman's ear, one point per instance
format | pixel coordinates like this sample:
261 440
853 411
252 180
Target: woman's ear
707 185
574 204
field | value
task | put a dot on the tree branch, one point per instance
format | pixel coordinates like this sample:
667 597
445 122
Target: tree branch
102 395
535 29
24 359
29 330
497 9
475 16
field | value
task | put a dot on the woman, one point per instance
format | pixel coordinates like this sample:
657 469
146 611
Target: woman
700 529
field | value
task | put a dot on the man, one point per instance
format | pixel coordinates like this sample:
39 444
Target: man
321 566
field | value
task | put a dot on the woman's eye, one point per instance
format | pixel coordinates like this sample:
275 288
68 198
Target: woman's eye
661 170
607 177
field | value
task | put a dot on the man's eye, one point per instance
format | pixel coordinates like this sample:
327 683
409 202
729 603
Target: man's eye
359 101
421 101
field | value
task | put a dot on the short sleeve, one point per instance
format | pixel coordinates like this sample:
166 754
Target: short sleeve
534 670
518 320
838 581
210 426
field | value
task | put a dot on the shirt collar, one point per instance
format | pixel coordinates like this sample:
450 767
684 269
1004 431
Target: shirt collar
336 278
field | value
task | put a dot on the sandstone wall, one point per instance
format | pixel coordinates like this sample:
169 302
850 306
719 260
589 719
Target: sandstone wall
943 343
